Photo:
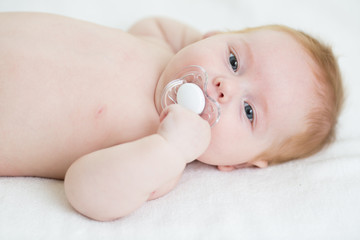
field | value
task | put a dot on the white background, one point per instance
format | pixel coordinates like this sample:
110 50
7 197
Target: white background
315 198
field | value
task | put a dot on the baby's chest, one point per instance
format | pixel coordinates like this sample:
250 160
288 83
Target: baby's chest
118 99
89 97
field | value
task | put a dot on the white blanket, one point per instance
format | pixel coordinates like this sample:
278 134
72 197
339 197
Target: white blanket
314 198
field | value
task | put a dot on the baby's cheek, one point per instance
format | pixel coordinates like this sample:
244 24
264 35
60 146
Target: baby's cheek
210 156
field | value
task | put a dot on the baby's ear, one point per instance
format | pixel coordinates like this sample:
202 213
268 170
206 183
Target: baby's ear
226 168
260 163
257 163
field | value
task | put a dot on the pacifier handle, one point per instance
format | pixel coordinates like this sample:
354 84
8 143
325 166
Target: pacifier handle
190 96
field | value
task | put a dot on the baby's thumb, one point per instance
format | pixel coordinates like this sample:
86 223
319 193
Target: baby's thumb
163 114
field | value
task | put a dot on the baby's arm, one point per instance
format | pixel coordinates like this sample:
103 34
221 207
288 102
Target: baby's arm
175 34
113 182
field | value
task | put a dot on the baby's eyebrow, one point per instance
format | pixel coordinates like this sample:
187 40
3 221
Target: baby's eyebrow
246 49
259 101
262 108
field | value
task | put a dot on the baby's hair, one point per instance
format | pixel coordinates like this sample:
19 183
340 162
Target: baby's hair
322 118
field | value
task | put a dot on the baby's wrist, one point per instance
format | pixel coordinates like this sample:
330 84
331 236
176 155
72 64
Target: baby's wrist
177 150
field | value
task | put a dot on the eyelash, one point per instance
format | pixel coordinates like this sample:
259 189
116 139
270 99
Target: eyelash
248 108
233 61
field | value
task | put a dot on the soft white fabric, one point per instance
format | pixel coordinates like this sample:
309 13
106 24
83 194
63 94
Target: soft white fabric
315 198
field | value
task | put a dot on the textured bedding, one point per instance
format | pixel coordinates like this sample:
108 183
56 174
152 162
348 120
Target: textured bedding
313 198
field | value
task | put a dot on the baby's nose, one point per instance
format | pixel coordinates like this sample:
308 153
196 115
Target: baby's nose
223 90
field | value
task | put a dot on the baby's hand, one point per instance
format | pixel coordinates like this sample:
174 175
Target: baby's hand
186 131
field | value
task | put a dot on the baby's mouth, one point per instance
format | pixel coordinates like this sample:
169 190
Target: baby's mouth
189 89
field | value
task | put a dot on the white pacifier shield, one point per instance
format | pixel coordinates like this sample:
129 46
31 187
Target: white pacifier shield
191 96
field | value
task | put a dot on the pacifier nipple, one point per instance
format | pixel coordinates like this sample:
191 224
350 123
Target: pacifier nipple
189 90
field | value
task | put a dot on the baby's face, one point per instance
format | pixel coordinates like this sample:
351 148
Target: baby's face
263 81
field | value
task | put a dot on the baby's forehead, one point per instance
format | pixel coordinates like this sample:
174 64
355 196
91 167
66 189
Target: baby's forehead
283 72
270 37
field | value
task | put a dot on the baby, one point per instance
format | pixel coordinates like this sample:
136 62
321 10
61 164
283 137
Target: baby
82 102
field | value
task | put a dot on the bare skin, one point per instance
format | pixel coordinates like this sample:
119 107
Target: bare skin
70 88
80 102
63 84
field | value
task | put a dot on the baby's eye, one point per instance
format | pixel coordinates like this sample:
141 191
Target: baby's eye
233 62
249 111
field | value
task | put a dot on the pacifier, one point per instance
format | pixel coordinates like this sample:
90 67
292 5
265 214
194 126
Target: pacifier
189 90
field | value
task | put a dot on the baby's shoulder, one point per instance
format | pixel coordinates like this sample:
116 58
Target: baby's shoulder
153 43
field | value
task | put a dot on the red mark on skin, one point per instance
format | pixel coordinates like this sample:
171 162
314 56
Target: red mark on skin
100 111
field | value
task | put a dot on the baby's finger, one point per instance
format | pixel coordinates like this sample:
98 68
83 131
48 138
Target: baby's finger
163 114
